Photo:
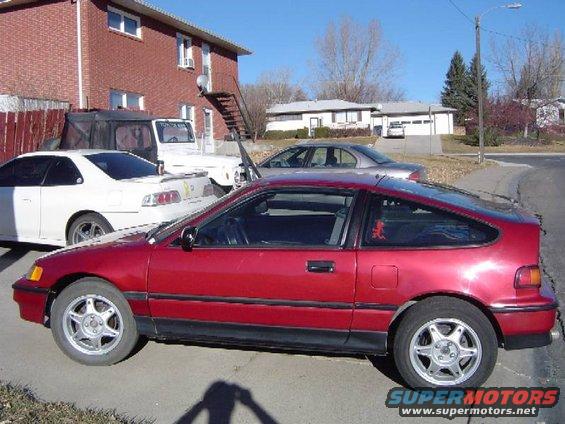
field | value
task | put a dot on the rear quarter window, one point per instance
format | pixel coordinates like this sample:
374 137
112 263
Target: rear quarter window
398 223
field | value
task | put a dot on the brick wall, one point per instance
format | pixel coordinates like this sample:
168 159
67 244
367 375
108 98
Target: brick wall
38 51
148 67
38 59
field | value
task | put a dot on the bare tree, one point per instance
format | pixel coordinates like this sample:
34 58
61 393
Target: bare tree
271 88
532 66
355 63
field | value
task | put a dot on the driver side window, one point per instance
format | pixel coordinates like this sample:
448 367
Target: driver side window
291 158
282 218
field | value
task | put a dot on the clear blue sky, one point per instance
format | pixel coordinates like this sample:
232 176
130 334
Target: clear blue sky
281 33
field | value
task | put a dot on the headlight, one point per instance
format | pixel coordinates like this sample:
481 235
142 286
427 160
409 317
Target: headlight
34 273
237 175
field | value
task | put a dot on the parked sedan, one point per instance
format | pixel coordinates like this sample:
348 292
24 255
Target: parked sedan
61 198
338 157
334 262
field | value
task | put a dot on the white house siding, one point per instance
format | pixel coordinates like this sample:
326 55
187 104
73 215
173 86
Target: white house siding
326 121
441 123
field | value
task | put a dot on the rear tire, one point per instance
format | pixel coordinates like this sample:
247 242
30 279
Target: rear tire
93 324
445 342
86 227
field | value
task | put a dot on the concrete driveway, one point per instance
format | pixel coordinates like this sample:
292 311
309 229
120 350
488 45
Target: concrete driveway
411 145
187 383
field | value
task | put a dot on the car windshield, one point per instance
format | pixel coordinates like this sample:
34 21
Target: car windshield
373 154
174 132
122 166
165 229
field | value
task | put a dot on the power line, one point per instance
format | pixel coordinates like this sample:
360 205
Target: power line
461 11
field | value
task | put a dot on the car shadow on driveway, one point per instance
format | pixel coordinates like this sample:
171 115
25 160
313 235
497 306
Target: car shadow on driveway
219 402
17 251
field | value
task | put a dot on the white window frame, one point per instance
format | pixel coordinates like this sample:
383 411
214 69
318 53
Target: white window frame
185 51
191 113
122 29
124 95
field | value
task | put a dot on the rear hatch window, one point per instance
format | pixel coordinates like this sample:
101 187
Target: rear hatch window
122 166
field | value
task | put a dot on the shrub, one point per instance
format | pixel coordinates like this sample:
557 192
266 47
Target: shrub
491 136
302 133
321 132
284 135
349 132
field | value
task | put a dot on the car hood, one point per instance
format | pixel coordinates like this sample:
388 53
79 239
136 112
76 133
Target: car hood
128 235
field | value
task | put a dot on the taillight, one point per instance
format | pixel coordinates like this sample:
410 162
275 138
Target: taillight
414 176
527 277
208 190
162 198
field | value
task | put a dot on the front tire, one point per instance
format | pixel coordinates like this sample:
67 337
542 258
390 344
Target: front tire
445 342
93 324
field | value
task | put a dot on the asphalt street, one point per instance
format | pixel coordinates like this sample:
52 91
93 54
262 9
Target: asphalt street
172 382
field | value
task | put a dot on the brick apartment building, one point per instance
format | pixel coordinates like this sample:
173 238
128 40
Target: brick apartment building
124 53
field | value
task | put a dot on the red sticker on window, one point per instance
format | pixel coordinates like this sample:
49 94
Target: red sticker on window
378 230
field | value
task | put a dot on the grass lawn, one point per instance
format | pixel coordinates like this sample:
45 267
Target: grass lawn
451 145
441 169
19 405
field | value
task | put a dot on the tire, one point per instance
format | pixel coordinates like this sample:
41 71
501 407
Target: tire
116 329
460 329
88 222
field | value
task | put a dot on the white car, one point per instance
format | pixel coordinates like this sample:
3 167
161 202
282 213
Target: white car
395 129
66 197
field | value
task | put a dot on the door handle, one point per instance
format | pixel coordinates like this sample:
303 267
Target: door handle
320 266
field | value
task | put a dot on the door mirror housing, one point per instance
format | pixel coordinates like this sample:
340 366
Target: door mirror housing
188 238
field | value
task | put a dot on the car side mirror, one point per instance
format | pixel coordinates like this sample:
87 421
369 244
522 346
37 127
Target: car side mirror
188 238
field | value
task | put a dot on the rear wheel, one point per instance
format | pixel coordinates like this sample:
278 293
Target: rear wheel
92 323
445 342
86 227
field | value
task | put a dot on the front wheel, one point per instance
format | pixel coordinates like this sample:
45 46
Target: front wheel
92 323
445 342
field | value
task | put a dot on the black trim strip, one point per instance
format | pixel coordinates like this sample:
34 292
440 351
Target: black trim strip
252 301
371 342
532 308
135 295
30 289
526 341
375 306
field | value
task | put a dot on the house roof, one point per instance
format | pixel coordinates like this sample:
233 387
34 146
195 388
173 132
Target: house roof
318 106
161 15
407 108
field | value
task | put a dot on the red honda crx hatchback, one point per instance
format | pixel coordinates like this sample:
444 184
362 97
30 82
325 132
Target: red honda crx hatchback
343 263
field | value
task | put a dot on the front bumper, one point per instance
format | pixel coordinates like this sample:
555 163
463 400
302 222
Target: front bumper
31 300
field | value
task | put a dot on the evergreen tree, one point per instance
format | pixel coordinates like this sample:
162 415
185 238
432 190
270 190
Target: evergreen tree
472 91
455 91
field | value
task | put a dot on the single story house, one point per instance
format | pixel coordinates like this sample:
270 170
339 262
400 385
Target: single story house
416 117
319 113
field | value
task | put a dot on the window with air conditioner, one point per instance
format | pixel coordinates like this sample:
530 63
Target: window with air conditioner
184 51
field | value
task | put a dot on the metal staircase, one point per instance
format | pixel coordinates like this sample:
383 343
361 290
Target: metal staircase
226 94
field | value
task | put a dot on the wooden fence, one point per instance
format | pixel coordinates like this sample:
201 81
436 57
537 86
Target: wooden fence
22 132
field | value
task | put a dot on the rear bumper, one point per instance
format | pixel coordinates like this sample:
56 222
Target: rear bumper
31 300
526 326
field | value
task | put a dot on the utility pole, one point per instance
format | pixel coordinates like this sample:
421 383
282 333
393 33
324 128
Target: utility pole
480 89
